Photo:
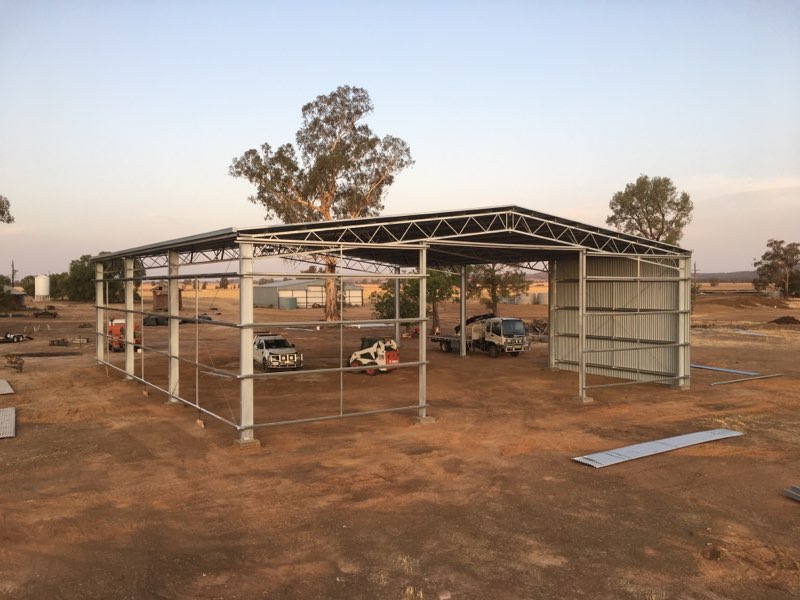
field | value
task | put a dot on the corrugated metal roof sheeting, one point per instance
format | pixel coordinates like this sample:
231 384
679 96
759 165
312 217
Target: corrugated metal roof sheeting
618 455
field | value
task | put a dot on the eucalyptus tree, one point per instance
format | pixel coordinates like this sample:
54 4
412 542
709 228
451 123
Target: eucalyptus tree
492 282
778 266
5 210
339 169
651 208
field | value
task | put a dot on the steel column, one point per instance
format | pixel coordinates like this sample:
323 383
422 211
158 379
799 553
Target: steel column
582 325
684 323
397 307
246 419
551 313
101 324
173 299
129 321
423 328
462 315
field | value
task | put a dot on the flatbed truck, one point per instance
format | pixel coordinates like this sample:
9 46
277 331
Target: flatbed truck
488 333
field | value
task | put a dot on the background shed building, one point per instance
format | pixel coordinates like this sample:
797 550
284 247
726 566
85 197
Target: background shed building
161 298
308 293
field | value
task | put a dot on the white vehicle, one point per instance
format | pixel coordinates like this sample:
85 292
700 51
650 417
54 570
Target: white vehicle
376 353
491 334
273 351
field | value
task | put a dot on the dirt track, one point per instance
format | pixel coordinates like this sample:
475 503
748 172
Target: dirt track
106 492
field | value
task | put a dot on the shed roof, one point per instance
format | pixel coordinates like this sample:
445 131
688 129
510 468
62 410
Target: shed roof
472 236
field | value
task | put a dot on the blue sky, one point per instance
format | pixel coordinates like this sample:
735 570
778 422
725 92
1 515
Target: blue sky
118 120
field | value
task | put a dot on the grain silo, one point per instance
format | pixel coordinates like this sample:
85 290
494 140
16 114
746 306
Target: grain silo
41 287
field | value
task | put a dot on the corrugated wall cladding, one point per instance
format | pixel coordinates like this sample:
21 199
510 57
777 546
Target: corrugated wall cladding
633 325
631 295
627 267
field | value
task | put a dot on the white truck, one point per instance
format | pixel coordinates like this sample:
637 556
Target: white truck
488 333
273 351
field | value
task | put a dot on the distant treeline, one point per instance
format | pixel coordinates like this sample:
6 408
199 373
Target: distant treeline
732 277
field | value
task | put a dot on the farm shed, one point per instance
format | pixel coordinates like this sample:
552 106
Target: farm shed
619 305
307 292
161 298
17 296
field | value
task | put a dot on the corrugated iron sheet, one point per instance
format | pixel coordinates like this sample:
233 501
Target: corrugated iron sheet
612 457
632 325
8 419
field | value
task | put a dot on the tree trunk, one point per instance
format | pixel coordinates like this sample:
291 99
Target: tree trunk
435 317
332 312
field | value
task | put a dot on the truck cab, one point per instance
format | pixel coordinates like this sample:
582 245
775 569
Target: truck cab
273 351
498 334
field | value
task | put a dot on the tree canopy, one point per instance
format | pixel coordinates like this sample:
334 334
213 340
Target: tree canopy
439 287
498 281
5 211
778 266
651 208
78 284
340 168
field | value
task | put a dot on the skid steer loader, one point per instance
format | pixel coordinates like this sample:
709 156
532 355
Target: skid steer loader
376 353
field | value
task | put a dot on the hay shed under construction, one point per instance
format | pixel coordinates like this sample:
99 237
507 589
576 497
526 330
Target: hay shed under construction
618 305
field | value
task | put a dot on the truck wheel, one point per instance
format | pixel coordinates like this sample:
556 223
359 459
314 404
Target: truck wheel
494 351
264 365
445 346
514 353
355 363
373 371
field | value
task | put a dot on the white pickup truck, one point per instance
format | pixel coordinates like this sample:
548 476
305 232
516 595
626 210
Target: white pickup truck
273 351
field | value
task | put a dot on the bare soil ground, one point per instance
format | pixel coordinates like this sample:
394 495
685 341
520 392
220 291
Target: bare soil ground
108 492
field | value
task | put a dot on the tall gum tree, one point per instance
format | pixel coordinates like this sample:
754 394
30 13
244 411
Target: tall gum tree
5 210
340 170
777 266
651 208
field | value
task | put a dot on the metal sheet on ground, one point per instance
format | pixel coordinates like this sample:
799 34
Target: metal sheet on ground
793 493
5 387
618 455
7 422
723 370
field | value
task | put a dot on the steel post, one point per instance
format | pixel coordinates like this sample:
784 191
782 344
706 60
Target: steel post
552 298
423 328
684 331
246 343
173 300
582 327
130 331
101 324
397 307
462 314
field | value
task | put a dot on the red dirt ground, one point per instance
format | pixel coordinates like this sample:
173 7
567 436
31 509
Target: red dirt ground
108 492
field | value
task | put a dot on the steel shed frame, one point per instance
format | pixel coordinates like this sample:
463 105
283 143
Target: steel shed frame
619 304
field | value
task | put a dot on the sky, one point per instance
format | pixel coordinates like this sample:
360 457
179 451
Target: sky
119 120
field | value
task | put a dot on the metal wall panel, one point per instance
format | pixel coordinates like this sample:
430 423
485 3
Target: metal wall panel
631 304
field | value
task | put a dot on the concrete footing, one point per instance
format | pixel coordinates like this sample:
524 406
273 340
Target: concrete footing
425 420
247 444
584 400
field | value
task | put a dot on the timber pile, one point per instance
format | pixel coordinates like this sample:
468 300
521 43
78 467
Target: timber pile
537 327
